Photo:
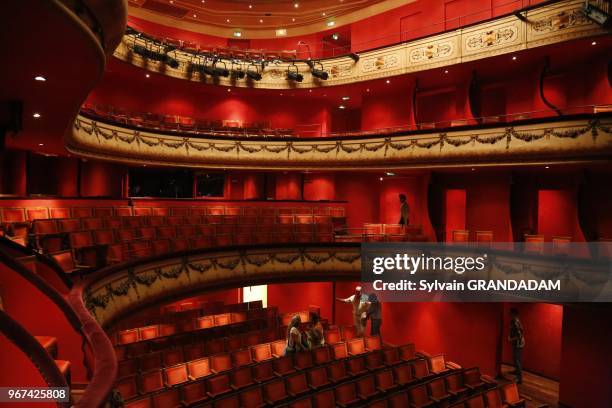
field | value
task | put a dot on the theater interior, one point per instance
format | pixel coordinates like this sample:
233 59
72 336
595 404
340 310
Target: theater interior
179 179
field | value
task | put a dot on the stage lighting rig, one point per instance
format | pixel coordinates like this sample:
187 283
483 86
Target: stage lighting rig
253 73
294 75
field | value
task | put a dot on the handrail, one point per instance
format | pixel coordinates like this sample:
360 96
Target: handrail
93 110
23 340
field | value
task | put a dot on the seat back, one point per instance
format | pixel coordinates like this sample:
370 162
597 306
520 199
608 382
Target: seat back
418 395
356 346
346 393
275 391
199 368
297 384
317 377
510 393
460 236
221 362
64 260
176 374
151 381
261 352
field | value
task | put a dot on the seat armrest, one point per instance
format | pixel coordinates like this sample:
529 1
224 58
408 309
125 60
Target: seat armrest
488 379
233 387
423 354
191 377
453 366
277 374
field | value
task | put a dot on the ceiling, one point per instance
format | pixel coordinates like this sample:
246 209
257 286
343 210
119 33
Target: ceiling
259 15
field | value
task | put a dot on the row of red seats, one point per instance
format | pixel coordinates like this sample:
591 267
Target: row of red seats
25 214
349 378
381 233
194 351
154 332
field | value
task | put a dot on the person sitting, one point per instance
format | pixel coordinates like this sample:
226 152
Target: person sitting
294 336
315 336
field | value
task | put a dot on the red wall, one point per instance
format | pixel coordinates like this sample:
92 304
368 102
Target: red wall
288 186
586 372
488 206
455 203
557 214
294 297
389 108
543 324
320 186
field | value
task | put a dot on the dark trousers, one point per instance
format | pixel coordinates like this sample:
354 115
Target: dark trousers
375 327
517 355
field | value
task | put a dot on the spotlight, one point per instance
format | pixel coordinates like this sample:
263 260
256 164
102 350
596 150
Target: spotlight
218 71
354 56
238 73
318 72
40 78
253 73
171 62
597 15
36 115
294 75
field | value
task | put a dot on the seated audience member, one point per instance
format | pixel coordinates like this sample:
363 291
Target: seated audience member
294 336
314 335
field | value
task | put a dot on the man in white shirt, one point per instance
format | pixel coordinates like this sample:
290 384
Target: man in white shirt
359 308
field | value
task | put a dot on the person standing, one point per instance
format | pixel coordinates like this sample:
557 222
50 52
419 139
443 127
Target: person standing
315 336
374 314
517 340
358 306
404 210
294 336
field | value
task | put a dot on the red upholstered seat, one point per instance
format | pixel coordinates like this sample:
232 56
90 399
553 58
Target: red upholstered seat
454 384
173 356
218 385
169 398
103 237
374 360
398 400
419 397
373 343
151 381
222 319
283 365
166 232
472 378
346 394
131 222
142 211
261 352
322 355
174 220
199 368
263 371
476 401
356 366
194 393
333 336
340 350
252 398
303 360
69 225
325 398
176 374
148 332
160 211
59 212
366 387
511 396
220 362
385 381
317 377
127 387
123 211
150 361
241 357
145 402
356 346
297 384
278 348
241 377
129 367
420 369
275 391
193 351
128 336
437 364
90 224
403 374
66 261
493 399
205 322
215 346
348 333
391 356
200 241
460 236
437 390
407 352
160 246
180 244
125 234
337 371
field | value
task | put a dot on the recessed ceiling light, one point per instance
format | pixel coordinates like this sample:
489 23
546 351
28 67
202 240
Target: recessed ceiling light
229 90
341 107
40 78
594 43
390 174
261 20
250 6
310 90
346 98
36 115
388 81
228 20
147 75
473 169
548 167
323 14
237 34
335 36
514 58
195 15
368 90
446 71
293 19
171 1
41 144
296 5
381 179
281 94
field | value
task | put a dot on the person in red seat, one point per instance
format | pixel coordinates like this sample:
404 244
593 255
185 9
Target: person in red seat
358 309
294 336
517 339
315 336
404 210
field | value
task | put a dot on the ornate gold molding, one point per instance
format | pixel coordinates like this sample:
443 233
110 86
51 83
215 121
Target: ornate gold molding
557 141
548 24
114 294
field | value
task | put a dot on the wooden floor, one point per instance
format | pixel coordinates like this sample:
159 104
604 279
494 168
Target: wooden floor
536 390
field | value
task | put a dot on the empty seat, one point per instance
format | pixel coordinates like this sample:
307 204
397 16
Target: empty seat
419 397
275 391
476 401
461 236
199 368
69 225
340 350
145 402
366 387
278 348
128 336
472 378
242 377
437 364
317 378
241 357
160 246
127 387
263 371
337 371
128 367
112 223
66 262
303 360
374 360
322 355
218 385
283 365
148 332
125 234
391 356
325 398
493 399
103 237
346 394
59 212
356 366
356 346
252 398
220 362
332 336
261 352
173 356
150 361
454 385
194 393
348 333
407 352
420 369
385 381
180 244
437 390
151 381
81 212
403 374
169 398
297 384
176 375
398 400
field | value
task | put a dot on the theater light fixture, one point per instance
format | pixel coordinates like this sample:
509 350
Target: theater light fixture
390 174
238 73
316 69
354 57
335 36
294 75
36 115
595 14
147 76
346 98
281 32
40 78
253 73
341 107
218 71
237 33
